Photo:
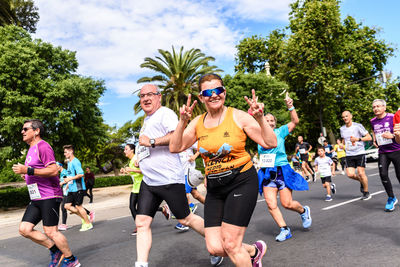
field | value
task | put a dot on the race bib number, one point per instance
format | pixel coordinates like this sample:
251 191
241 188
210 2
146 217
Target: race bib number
143 152
302 151
382 141
34 191
267 160
327 150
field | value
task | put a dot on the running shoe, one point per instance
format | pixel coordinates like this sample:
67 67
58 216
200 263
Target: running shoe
56 258
91 216
342 172
193 207
390 204
166 211
216 260
333 188
134 232
308 179
314 178
85 227
262 248
70 263
284 234
366 196
62 227
181 227
306 217
328 198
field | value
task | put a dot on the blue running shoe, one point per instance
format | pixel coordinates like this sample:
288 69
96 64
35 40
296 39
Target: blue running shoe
390 204
193 207
70 263
283 235
328 198
181 227
216 260
306 217
56 258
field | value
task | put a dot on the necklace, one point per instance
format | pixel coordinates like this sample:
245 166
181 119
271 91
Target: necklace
219 119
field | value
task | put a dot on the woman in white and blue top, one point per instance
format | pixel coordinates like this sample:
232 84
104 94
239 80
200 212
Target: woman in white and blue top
276 175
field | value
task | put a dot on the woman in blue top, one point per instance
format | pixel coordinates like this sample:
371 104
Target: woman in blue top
276 175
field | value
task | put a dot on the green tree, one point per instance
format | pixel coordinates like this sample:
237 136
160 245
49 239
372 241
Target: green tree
178 74
38 80
322 59
22 13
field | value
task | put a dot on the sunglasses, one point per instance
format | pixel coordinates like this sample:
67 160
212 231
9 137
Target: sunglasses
209 92
25 129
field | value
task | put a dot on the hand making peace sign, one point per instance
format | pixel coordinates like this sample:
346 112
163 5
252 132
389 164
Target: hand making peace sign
187 110
256 109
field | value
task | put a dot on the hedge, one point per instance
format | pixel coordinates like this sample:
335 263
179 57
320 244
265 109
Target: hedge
12 197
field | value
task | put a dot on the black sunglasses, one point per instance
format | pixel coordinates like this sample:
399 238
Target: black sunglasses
26 128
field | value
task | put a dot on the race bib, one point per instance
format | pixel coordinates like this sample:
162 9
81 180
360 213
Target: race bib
325 169
267 160
349 145
143 152
302 151
382 141
327 150
34 191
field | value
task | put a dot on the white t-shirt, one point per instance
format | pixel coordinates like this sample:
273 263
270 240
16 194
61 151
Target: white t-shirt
358 131
185 156
324 165
160 167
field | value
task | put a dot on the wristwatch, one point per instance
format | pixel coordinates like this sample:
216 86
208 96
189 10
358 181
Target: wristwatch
152 142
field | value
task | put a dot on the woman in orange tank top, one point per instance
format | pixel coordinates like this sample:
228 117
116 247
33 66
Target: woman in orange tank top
232 182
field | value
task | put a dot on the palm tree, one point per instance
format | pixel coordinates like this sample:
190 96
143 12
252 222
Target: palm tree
178 76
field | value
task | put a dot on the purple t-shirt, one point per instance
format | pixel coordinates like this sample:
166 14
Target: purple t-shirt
40 156
379 126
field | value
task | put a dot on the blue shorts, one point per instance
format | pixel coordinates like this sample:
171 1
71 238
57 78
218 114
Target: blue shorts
188 188
276 180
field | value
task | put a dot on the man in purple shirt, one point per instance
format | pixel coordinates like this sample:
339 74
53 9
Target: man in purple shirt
41 174
389 149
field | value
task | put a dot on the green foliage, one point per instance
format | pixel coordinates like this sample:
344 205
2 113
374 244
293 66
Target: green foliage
11 197
269 90
112 181
22 13
252 54
322 60
178 74
38 80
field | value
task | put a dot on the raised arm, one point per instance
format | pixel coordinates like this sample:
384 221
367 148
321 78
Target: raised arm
294 119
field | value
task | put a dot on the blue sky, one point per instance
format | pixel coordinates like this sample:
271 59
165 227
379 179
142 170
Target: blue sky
112 37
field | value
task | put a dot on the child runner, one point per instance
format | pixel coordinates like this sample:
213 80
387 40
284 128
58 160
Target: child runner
324 165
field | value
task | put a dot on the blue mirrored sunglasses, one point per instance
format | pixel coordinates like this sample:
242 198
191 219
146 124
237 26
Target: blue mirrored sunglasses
209 92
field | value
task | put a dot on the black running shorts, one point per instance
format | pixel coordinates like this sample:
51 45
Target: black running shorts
75 198
47 210
150 198
326 179
356 161
233 203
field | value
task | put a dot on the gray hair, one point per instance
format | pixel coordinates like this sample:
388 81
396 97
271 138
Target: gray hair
379 100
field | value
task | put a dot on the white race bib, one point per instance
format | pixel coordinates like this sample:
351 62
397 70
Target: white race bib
143 152
382 141
302 151
34 191
327 150
325 170
267 160
349 145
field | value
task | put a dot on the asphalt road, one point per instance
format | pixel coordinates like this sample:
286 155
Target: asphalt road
345 232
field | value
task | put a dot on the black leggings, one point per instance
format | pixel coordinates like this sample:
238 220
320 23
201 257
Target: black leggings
133 200
64 212
342 162
384 162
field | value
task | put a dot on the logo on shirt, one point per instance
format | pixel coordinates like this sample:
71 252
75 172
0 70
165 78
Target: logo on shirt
386 124
226 134
203 137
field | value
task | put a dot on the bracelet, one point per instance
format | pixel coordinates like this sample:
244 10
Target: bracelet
290 109
30 171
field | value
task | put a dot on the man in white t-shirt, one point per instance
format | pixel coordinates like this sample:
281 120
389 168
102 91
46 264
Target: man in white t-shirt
354 135
163 177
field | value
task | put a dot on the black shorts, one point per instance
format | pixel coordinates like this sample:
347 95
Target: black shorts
150 198
47 210
75 198
326 179
233 203
304 157
356 161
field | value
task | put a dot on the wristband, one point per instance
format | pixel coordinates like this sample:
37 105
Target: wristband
290 109
30 171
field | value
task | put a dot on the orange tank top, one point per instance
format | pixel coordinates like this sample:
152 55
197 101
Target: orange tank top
223 147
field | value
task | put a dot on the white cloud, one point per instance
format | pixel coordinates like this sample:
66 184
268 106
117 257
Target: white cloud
113 37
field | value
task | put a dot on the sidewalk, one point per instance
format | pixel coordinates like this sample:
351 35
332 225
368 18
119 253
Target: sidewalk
108 203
